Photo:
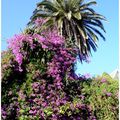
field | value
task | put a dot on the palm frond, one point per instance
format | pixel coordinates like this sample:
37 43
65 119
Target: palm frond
87 9
75 20
88 4
92 44
100 25
47 4
95 30
92 34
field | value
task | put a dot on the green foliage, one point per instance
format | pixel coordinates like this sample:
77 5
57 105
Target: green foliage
102 96
99 95
76 21
48 111
64 108
7 60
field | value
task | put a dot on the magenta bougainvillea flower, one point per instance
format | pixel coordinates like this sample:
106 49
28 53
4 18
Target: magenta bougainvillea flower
103 80
108 94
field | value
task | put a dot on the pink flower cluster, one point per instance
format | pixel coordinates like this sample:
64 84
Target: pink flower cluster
48 40
39 22
61 64
16 45
44 95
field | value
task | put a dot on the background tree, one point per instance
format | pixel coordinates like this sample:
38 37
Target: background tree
75 20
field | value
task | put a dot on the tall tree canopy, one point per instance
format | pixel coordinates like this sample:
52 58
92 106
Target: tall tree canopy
75 20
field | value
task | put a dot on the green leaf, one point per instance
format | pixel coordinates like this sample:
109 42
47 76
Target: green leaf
48 111
22 111
55 13
69 15
77 15
88 4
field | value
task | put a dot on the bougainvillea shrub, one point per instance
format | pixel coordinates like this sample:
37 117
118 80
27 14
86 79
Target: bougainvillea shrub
33 94
39 83
36 96
102 96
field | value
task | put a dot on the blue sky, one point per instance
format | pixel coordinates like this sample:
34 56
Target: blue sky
16 14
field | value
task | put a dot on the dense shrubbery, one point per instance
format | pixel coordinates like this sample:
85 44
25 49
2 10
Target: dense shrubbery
39 83
101 94
32 94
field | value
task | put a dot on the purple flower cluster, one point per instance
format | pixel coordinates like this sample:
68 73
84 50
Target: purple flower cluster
39 22
48 40
108 94
42 97
46 98
103 80
61 64
4 113
16 45
87 76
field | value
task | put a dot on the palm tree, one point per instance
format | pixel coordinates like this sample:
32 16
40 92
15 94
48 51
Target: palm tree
75 20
